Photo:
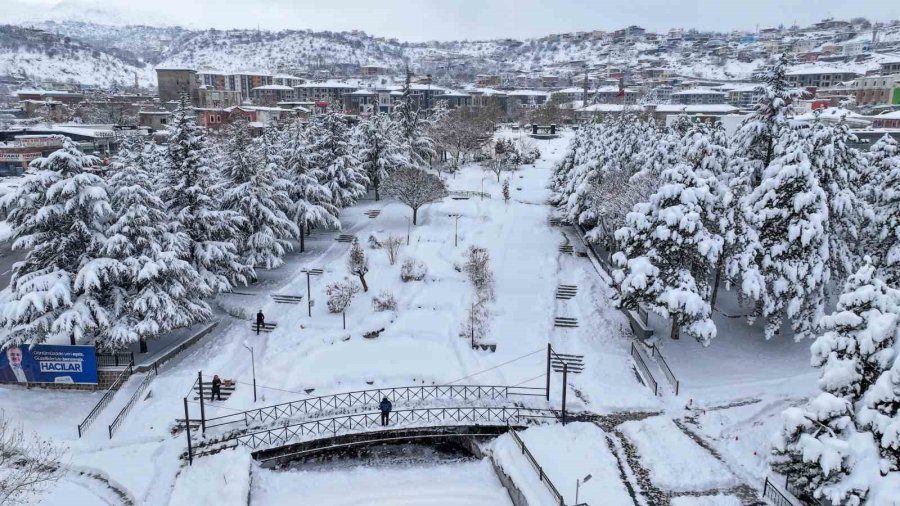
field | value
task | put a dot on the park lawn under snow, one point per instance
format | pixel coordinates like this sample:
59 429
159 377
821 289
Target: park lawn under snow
676 463
707 500
567 454
463 484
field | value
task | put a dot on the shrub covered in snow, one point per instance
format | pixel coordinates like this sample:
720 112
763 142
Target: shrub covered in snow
340 294
478 268
413 270
384 301
358 263
374 243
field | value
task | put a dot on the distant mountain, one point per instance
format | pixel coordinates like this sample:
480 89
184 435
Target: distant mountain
85 11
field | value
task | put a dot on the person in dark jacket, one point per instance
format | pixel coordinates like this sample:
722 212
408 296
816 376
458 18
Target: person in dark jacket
260 321
385 411
216 388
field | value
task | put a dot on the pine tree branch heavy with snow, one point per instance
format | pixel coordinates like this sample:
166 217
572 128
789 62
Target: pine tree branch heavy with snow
332 156
380 150
415 188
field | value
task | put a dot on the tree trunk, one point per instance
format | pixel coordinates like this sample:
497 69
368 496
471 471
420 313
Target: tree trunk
675 336
302 238
344 316
362 279
72 340
377 196
143 345
715 290
415 214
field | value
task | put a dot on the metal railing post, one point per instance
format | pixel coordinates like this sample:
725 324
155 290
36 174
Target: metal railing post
202 407
187 427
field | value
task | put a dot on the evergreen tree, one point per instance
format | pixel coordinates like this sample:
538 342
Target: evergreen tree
414 127
61 288
884 159
192 191
310 200
331 155
257 192
667 254
839 168
156 290
789 214
379 150
824 447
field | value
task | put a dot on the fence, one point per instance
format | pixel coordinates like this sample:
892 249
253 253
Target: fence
645 371
771 493
368 398
665 369
537 467
360 422
469 194
120 359
104 401
114 426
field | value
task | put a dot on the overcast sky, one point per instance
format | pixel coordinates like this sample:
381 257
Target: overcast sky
418 20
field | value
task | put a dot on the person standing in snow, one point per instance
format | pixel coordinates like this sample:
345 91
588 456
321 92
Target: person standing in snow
385 411
260 321
216 388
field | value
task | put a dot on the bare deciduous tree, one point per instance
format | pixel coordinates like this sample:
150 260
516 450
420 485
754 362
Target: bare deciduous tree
28 464
415 188
479 270
392 248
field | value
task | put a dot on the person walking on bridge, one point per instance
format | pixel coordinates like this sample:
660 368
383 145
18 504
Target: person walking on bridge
385 411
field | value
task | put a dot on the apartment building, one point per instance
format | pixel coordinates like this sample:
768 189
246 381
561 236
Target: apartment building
819 77
877 90
698 96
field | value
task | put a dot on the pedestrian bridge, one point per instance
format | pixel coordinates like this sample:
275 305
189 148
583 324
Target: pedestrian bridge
364 400
303 436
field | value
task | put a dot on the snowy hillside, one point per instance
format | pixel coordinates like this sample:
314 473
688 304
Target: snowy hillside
39 55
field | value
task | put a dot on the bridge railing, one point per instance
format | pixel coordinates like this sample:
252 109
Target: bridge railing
645 371
367 399
537 467
360 422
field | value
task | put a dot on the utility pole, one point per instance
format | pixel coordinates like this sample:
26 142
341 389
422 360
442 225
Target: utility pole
308 295
253 365
584 99
564 382
549 351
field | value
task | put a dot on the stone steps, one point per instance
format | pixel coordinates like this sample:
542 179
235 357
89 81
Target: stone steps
565 322
566 292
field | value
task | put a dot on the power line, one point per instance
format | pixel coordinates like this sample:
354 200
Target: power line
532 379
496 366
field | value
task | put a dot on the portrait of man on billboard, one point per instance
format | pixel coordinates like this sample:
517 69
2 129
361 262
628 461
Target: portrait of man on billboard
14 371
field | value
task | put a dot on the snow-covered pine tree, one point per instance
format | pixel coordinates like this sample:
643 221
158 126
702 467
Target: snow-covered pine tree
380 150
59 215
667 254
840 168
705 148
310 200
358 263
156 290
790 259
824 447
331 155
884 161
257 192
192 191
413 126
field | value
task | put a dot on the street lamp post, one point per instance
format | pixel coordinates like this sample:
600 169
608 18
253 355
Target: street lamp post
578 484
309 272
408 225
253 366
455 229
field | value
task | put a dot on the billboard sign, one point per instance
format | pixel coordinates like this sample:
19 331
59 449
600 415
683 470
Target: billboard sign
44 363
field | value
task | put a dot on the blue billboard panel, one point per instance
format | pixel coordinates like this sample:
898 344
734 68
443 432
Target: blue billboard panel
45 363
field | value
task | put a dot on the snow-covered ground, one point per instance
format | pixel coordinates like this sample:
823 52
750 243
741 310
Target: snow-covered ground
421 344
465 484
